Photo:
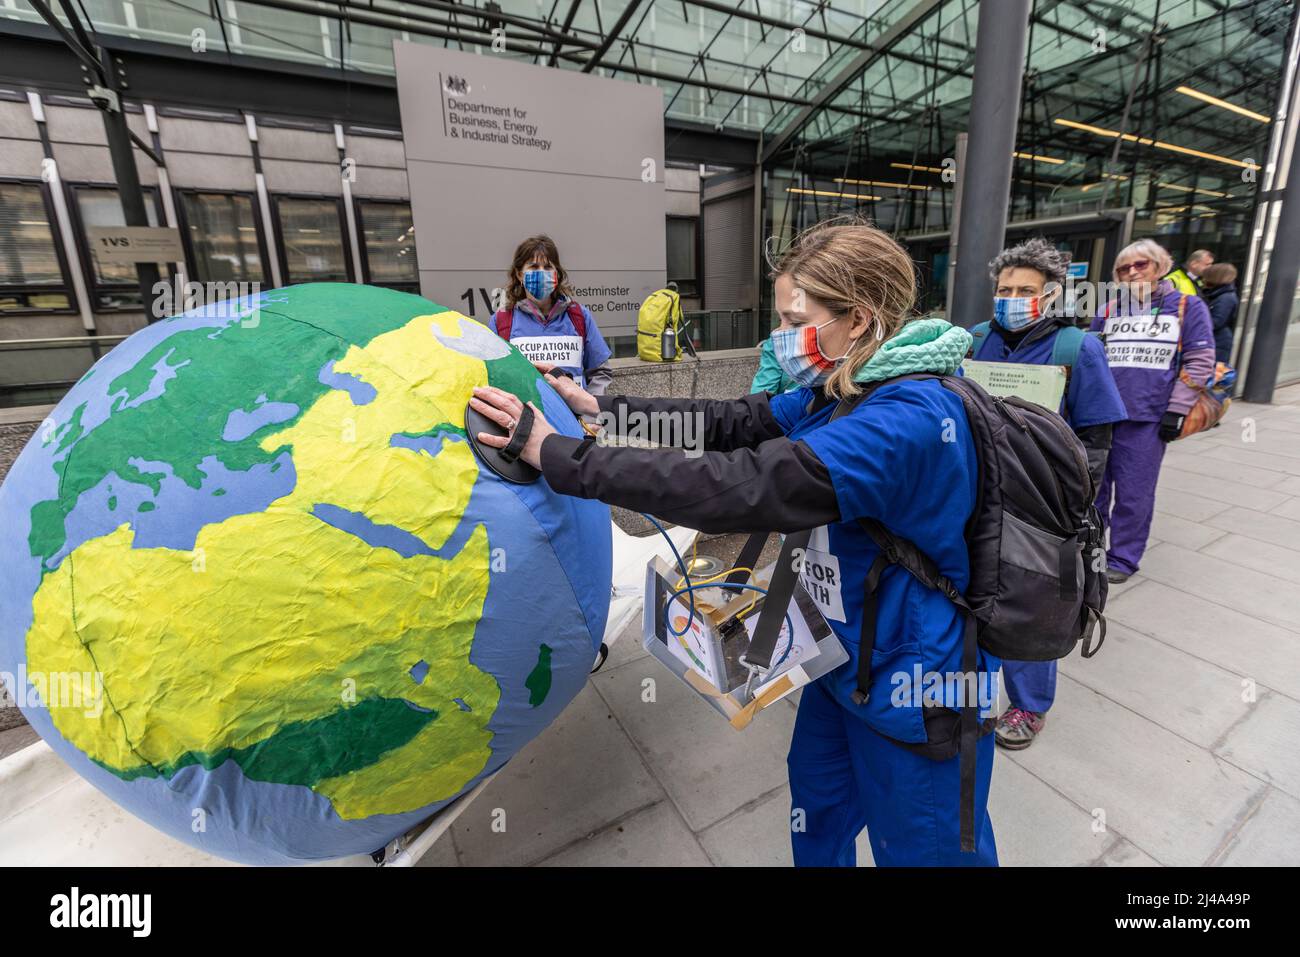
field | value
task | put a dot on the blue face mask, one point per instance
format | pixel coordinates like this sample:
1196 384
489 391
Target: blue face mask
1013 313
539 283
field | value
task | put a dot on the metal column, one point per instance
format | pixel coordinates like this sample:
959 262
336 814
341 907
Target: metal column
986 178
1279 292
129 190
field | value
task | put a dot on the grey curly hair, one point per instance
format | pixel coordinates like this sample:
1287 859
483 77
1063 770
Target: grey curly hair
1037 254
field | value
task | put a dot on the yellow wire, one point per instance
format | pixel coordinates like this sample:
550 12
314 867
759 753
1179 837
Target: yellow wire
752 602
713 578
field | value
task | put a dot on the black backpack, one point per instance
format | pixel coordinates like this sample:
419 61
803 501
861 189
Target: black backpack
1038 569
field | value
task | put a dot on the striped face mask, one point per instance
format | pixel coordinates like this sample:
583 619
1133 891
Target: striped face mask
1015 312
798 352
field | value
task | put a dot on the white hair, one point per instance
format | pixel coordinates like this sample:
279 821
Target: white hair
1150 249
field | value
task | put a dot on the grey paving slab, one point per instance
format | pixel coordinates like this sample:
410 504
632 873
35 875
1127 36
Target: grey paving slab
1258 650
1274 560
1238 472
708 768
626 647
577 776
1270 837
654 837
1170 798
1034 824
1286 423
1288 509
1264 743
1221 489
758 835
1179 531
1208 701
1242 589
1248 455
1194 508
1123 853
442 854
1269 431
1289 484
1275 529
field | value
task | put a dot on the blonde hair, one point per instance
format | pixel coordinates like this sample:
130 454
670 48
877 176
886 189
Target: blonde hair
847 266
1151 250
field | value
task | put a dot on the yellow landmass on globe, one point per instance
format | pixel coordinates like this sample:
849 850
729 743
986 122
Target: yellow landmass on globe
277 617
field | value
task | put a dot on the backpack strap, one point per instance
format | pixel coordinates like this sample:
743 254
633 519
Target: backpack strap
504 322
1182 310
578 318
848 405
895 550
1066 347
978 334
779 592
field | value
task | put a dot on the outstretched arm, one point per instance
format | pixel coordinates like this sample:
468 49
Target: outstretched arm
720 425
778 486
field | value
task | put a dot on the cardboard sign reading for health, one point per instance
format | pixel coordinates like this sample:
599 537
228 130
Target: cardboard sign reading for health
819 573
1043 385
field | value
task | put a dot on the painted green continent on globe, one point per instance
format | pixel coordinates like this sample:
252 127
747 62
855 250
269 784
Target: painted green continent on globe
271 538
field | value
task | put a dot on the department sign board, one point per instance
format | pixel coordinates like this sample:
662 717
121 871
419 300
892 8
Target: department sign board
498 150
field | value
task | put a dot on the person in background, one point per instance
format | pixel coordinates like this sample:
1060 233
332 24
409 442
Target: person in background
1220 284
543 320
769 377
1027 321
1153 333
1187 277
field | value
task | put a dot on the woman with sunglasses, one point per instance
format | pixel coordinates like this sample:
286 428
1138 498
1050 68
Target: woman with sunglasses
1155 337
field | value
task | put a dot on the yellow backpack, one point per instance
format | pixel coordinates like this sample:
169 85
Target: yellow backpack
662 310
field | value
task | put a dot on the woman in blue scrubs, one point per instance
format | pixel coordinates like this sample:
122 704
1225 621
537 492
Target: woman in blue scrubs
904 456
1030 327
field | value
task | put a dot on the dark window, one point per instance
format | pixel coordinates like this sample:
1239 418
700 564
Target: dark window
114 285
682 255
388 243
222 237
31 272
311 237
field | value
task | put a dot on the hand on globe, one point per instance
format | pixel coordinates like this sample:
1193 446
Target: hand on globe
505 409
578 399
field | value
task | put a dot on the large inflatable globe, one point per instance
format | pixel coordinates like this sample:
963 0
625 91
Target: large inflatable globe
259 589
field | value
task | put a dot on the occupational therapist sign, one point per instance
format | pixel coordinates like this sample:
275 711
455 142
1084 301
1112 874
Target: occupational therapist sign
498 150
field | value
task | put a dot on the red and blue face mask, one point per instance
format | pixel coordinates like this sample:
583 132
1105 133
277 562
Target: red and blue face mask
1013 313
799 354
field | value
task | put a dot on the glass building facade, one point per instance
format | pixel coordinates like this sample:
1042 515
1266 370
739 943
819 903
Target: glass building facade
1171 119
